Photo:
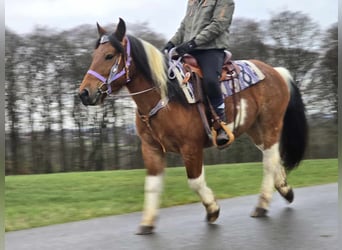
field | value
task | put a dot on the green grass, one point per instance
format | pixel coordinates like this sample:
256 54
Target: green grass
39 200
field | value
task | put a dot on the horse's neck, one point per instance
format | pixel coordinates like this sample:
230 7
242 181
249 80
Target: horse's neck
145 101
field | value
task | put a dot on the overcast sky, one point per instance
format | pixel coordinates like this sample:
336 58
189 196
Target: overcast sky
163 16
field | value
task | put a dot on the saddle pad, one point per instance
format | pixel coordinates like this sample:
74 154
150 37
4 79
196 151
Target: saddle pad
249 75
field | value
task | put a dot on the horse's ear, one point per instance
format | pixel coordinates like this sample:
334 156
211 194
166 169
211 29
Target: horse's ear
120 30
100 30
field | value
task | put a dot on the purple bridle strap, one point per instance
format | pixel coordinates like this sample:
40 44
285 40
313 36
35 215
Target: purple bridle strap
97 75
112 77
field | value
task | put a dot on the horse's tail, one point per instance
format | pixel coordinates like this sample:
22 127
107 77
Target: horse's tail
295 129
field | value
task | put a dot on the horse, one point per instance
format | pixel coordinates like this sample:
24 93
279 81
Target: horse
271 112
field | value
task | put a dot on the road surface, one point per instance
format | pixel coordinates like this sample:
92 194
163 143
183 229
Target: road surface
310 222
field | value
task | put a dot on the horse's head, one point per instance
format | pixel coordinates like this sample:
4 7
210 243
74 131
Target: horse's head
108 71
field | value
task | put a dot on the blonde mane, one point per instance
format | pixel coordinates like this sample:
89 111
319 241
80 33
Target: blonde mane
157 66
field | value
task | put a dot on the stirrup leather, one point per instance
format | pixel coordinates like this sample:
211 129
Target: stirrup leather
231 136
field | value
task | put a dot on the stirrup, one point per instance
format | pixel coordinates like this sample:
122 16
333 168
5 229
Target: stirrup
231 136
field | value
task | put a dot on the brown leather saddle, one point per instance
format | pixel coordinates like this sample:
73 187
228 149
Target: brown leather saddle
194 74
229 68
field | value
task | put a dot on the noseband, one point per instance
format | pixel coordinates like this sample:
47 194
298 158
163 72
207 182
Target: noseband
113 75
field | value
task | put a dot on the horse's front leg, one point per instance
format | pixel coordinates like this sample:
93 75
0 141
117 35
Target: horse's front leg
199 185
155 163
196 181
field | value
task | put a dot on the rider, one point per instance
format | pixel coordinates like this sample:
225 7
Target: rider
204 33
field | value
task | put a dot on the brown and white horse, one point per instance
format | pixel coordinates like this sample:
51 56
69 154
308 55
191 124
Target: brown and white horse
270 112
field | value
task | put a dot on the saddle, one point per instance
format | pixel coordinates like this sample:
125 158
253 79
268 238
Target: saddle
229 68
193 73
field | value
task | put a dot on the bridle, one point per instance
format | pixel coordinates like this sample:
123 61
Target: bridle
114 75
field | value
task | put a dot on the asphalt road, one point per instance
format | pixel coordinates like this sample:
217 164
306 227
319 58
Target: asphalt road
310 222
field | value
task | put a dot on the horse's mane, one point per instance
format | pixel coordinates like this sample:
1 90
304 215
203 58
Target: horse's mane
152 63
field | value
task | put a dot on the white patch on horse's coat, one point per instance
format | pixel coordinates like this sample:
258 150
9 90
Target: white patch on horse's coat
286 75
271 156
199 185
272 166
241 115
153 189
280 182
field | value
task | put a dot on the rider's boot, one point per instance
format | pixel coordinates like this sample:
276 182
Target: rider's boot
222 137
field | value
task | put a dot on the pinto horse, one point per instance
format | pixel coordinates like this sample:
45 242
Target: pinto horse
270 112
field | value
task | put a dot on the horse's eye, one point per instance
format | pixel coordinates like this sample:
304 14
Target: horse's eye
109 57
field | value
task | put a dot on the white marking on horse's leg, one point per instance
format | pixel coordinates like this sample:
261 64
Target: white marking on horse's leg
241 115
199 185
281 183
271 162
153 189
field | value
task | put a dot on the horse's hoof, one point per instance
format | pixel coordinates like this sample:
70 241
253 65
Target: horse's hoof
212 217
145 230
289 196
259 212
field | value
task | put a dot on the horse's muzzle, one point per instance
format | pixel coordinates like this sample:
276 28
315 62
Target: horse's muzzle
87 99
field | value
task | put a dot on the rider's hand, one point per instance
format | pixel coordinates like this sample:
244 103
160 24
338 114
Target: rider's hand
186 47
168 47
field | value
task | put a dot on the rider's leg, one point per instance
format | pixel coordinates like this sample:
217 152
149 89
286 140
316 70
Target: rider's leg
211 62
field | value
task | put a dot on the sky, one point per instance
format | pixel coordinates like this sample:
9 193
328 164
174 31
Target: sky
22 16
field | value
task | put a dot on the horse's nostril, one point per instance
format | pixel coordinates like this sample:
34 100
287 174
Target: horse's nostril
84 95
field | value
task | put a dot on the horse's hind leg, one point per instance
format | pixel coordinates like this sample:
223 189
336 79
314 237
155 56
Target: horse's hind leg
271 164
196 181
281 185
274 177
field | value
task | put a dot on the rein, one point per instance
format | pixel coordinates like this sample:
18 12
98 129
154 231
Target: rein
132 94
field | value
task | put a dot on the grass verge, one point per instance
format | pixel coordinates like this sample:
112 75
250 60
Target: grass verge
40 200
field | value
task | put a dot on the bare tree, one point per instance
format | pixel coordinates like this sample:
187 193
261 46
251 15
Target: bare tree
324 77
295 39
143 31
12 58
330 63
247 40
